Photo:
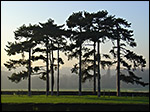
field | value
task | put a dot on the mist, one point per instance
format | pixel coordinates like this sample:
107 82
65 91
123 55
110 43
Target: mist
69 81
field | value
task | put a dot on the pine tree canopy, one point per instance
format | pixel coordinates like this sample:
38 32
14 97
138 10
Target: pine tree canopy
82 29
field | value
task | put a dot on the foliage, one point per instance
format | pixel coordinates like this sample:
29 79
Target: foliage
83 27
129 60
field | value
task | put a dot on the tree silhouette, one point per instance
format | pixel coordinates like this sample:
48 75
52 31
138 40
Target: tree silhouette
20 46
53 36
129 60
100 33
35 36
77 24
83 28
93 30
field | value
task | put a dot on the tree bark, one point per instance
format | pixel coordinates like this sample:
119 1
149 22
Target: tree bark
52 73
118 67
47 75
80 70
98 51
94 69
58 72
29 74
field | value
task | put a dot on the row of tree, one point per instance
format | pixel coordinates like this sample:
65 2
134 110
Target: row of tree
82 29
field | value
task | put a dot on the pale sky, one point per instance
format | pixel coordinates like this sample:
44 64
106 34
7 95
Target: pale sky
16 13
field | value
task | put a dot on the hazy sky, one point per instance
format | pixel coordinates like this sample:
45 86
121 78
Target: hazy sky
16 13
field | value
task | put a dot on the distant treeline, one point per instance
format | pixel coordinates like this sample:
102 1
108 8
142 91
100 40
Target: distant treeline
69 81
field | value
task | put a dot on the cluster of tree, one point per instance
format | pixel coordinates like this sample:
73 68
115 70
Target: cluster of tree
83 29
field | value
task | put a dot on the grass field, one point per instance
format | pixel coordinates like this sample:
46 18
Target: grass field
86 99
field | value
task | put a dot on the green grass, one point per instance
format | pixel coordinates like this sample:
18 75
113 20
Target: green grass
73 99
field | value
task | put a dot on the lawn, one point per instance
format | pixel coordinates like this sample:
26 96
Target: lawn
85 99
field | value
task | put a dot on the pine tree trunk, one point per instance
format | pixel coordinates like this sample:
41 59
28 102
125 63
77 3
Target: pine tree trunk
29 74
98 51
58 72
52 73
47 75
118 68
94 69
80 70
